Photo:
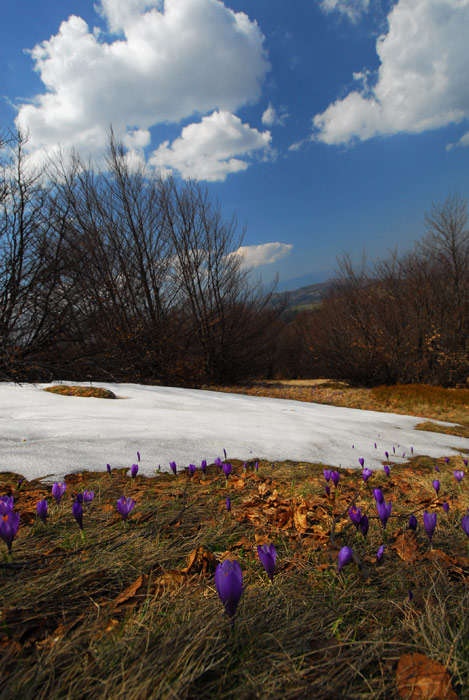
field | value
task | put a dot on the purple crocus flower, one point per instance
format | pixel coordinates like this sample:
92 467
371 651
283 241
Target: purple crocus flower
465 524
437 468
327 474
6 505
364 525
78 513
77 497
387 471
58 491
387 455
191 469
335 476
458 475
327 489
41 508
124 506
378 495
355 516
203 466
429 523
226 469
436 485
379 553
384 511
256 466
229 585
267 556
224 452
362 461
376 446
466 461
138 456
345 557
412 522
108 467
9 525
445 507
393 449
218 462
411 450
228 504
172 466
366 473
446 460
134 471
88 496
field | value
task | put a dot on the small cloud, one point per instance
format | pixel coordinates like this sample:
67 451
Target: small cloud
463 141
265 254
211 149
272 117
352 9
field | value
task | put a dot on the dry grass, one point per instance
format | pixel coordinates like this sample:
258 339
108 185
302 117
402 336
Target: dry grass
129 613
88 391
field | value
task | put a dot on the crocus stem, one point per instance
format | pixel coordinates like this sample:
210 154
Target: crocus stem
83 536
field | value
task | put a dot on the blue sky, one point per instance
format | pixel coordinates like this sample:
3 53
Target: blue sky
327 126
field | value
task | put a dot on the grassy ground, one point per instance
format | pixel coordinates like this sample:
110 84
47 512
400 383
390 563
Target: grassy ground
132 612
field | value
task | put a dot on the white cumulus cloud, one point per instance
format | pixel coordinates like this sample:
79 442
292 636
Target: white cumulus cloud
166 61
210 150
421 83
264 254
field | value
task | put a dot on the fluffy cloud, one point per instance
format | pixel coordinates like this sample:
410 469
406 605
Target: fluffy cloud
353 9
422 80
273 117
170 60
207 150
265 254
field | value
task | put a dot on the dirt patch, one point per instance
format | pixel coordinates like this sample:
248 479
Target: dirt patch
87 391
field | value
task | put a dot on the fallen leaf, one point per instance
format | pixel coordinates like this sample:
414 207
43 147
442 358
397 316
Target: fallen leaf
420 678
406 546
200 561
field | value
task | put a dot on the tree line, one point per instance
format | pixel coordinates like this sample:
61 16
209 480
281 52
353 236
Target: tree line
123 274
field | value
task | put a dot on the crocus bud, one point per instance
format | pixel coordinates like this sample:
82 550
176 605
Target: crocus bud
173 467
445 507
387 471
335 476
229 585
133 470
58 491
429 523
412 522
355 516
327 474
203 466
78 513
267 556
9 525
436 485
378 495
191 469
366 473
228 504
218 462
384 511
327 490
345 557
226 469
138 456
108 467
364 525
362 461
465 524
41 508
6 505
124 506
379 553
387 455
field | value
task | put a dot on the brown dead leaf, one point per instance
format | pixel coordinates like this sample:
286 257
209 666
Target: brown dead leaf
300 518
129 592
200 561
406 546
420 678
263 489
457 567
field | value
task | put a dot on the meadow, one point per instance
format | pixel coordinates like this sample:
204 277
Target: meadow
363 594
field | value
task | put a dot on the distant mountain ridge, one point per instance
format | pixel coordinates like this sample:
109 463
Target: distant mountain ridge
304 298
